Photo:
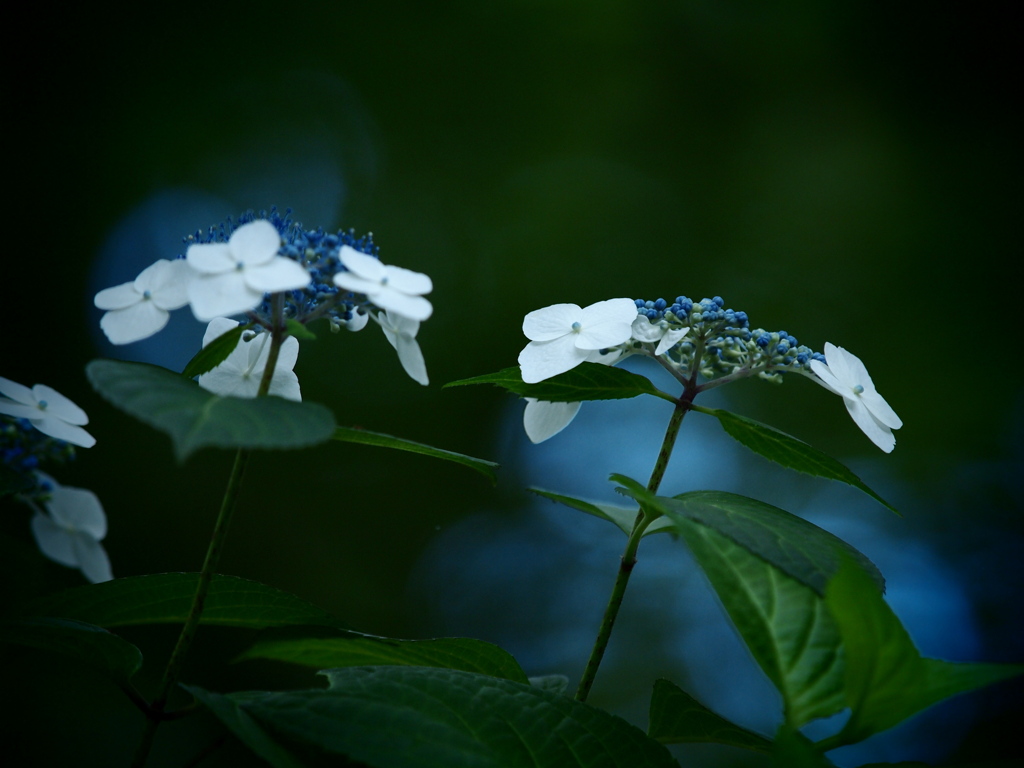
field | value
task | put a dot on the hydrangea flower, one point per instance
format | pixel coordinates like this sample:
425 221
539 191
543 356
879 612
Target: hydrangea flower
234 276
47 410
72 531
845 374
394 289
543 420
241 372
138 309
401 332
563 335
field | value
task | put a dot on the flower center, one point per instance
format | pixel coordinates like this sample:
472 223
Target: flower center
146 295
576 327
858 389
42 405
239 266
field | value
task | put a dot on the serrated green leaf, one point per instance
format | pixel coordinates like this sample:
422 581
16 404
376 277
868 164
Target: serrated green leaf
413 717
775 445
678 718
783 622
214 353
365 437
109 654
799 548
165 598
248 731
326 648
587 381
552 683
886 679
195 418
299 330
622 517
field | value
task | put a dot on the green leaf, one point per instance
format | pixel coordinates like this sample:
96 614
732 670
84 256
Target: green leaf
325 648
678 718
622 517
787 450
165 598
587 381
794 750
807 553
886 679
783 622
214 353
116 658
195 418
365 437
299 331
412 717
248 731
552 683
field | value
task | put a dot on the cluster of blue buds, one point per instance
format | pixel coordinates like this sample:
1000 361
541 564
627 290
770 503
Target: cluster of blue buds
721 342
316 251
23 448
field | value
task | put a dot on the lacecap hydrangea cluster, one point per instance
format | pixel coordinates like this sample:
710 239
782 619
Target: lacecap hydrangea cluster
721 342
23 450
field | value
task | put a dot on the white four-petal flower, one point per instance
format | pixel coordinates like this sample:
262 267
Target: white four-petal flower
845 374
397 290
47 410
401 332
72 531
241 372
563 335
234 276
139 309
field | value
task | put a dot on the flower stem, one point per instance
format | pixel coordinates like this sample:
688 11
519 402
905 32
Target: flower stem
188 631
629 555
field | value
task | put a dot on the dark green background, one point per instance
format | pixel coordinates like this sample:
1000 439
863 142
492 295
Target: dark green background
847 171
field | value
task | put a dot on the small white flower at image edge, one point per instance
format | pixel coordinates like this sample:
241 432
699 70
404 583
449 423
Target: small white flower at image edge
844 374
394 289
72 531
47 410
564 335
234 276
141 308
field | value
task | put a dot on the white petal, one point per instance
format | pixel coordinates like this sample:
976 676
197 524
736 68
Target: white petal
61 430
217 328
399 324
53 540
363 265
19 393
880 409
210 258
17 410
92 559
551 322
412 307
279 274
134 323
411 358
543 420
541 360
221 295
670 339
606 324
255 243
407 281
118 297
230 381
827 378
169 283
358 321
838 360
877 432
645 331
350 281
78 509
59 406
286 356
